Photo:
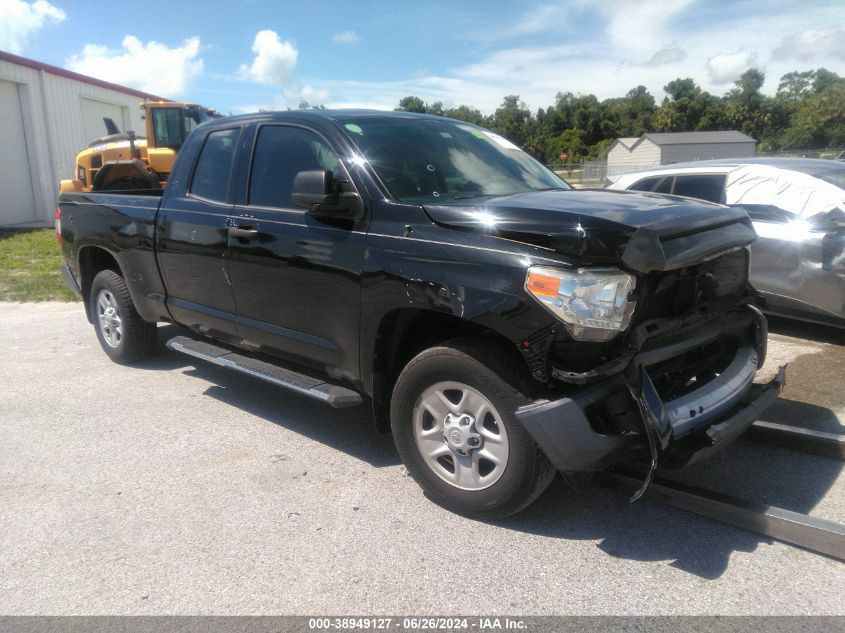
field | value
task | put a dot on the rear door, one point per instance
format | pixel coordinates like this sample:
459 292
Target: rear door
296 278
193 244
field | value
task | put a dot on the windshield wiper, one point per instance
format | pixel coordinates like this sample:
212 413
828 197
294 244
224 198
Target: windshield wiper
475 195
503 195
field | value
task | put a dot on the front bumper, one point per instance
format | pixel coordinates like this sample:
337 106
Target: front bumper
674 433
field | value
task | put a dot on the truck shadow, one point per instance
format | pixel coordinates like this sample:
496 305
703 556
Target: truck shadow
349 430
651 532
803 330
644 531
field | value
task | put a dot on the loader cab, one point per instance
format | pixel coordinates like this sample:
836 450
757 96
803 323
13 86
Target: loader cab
168 125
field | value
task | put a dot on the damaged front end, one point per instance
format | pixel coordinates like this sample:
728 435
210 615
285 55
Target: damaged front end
677 384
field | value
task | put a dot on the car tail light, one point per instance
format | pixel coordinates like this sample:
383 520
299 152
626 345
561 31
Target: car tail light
58 224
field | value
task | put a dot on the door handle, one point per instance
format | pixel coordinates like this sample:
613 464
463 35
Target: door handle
244 233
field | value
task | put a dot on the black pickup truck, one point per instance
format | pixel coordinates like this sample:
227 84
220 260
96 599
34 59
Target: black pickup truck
500 324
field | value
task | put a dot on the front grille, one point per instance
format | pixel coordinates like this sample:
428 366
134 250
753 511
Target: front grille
677 292
677 376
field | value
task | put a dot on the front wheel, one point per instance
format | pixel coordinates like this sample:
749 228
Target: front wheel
122 333
454 424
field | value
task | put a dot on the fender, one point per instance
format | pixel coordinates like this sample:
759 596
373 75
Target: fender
476 278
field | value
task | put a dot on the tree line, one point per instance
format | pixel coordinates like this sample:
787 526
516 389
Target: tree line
807 112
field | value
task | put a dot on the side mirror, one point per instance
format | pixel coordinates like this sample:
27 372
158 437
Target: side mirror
317 191
311 188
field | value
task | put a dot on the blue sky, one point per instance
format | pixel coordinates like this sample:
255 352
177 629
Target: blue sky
238 57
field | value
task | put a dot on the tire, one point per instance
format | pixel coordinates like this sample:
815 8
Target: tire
124 336
491 467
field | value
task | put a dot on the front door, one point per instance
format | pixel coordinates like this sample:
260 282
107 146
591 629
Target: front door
296 279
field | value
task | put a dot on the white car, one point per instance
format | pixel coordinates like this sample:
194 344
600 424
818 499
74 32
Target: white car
797 206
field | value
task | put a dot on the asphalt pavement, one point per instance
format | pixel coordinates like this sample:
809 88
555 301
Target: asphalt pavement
176 487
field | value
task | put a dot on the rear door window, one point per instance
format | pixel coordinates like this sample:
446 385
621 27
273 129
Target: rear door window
214 165
710 187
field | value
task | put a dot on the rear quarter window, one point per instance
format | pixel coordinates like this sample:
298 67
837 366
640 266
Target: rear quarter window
646 184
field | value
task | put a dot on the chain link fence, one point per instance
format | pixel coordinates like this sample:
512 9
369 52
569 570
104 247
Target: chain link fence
806 153
585 173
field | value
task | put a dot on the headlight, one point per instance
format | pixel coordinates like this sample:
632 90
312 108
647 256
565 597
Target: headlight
593 303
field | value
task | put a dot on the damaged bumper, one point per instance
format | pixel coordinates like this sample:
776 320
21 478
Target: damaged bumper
673 432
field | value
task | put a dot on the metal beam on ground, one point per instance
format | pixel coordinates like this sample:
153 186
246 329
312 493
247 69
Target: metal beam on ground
815 534
798 438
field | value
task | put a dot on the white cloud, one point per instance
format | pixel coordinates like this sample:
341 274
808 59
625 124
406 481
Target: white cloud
151 66
274 59
666 55
290 98
727 67
347 37
636 26
314 96
514 62
812 44
19 20
537 20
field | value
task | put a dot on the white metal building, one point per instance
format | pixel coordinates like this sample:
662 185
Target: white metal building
649 150
48 114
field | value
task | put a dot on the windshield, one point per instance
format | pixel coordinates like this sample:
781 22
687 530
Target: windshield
424 160
834 177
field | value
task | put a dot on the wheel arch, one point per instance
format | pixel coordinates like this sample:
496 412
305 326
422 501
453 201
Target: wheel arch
405 332
91 260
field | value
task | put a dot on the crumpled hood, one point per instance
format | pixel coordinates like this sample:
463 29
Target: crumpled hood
597 227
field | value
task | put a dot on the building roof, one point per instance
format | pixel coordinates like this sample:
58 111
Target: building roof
628 141
68 74
625 141
698 138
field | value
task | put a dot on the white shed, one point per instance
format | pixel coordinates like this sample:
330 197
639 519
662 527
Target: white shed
48 114
649 150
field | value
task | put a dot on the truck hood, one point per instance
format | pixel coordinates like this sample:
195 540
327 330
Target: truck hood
643 232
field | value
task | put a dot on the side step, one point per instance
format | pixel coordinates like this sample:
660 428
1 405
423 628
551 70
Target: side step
333 395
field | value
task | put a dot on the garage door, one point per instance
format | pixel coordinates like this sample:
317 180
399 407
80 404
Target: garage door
93 113
17 204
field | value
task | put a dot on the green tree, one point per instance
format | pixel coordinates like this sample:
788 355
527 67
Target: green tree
304 105
411 104
686 108
465 113
513 120
818 120
746 108
569 141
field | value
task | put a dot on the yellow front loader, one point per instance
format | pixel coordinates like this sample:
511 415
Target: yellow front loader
124 161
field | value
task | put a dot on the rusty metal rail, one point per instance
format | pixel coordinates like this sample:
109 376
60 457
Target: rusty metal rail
798 438
812 533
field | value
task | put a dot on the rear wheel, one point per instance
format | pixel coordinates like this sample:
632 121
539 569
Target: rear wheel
454 424
122 333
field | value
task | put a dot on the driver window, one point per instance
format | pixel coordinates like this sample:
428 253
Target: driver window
282 152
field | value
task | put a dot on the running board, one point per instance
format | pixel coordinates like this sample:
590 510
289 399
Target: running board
333 395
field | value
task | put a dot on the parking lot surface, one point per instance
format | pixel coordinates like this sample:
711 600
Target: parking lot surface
176 487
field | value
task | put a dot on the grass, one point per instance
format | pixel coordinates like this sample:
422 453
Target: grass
30 260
